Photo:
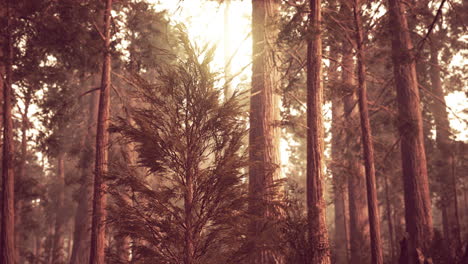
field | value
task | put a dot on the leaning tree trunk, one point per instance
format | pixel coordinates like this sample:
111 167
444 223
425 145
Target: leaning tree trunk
102 145
445 171
264 133
416 188
358 214
7 242
367 144
318 235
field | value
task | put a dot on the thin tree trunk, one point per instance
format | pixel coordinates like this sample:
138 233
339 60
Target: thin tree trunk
416 188
227 51
58 255
318 234
340 237
367 144
391 234
102 143
21 174
444 144
7 243
264 133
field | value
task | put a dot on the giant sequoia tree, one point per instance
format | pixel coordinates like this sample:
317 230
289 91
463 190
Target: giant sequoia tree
7 238
416 187
318 235
264 133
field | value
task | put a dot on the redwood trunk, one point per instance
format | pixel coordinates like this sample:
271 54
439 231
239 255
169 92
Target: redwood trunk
368 145
264 133
102 143
7 243
445 167
391 232
318 235
416 188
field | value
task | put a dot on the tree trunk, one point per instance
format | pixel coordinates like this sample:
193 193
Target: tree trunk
264 133
21 175
318 235
102 143
81 233
445 167
58 255
416 188
391 233
367 144
7 243
358 213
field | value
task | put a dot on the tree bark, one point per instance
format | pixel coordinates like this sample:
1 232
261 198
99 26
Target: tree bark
264 133
367 144
318 234
102 144
416 188
445 167
7 242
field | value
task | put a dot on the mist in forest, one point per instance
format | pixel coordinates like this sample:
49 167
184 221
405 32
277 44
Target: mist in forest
234 131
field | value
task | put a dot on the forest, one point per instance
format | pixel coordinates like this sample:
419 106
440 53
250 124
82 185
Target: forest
234 131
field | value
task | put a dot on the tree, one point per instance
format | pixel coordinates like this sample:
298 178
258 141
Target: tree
416 188
7 238
320 252
102 145
264 132
190 204
368 145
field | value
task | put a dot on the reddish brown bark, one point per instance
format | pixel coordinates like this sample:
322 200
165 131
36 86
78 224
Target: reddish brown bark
367 144
388 213
446 175
264 133
7 238
102 143
416 188
318 235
